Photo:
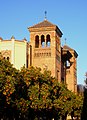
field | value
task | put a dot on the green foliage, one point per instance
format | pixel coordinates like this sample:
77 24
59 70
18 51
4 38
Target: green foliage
7 85
33 92
84 108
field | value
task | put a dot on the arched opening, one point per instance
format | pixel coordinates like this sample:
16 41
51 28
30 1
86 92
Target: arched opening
37 41
42 41
8 58
48 40
67 64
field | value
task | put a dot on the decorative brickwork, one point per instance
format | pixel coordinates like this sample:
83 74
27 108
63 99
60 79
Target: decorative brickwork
42 52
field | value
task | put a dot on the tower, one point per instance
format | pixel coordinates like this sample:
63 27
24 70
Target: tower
71 69
46 47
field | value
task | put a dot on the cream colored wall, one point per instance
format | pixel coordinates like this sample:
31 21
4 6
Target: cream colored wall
18 51
20 54
5 45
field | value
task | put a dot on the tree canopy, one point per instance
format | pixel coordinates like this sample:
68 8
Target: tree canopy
30 93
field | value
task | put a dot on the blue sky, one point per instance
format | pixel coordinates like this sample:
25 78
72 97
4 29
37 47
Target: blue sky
69 15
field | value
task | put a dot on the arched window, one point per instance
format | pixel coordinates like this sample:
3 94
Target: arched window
48 40
67 63
8 58
37 41
42 41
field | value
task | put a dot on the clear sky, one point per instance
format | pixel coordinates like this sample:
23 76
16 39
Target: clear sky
69 15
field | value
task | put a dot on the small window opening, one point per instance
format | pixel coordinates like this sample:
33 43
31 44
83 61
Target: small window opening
37 41
42 41
48 40
67 63
8 58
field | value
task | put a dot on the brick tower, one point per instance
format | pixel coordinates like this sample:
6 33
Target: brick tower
71 70
45 47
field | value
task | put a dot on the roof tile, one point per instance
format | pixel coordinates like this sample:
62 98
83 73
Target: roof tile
44 23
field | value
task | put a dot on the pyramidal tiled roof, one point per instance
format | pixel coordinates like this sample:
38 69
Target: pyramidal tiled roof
67 47
44 23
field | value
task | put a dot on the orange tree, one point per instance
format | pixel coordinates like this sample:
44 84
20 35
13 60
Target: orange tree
84 108
77 106
42 96
31 94
39 88
13 91
66 102
47 98
7 87
61 100
20 96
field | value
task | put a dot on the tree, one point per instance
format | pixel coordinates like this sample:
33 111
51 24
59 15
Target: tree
33 94
7 87
62 100
38 85
84 109
77 106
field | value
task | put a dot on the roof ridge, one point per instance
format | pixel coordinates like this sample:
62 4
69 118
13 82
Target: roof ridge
44 23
